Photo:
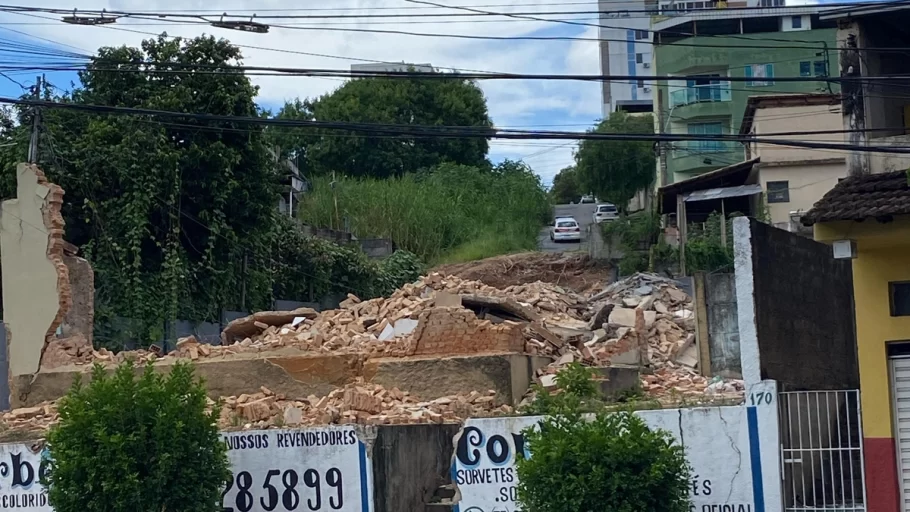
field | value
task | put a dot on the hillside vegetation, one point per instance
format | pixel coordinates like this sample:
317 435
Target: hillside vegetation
447 214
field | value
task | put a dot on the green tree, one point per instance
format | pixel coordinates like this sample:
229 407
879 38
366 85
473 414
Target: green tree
166 210
565 186
127 444
607 461
449 101
616 170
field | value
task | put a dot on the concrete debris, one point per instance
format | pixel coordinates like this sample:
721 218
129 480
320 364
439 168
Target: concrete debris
439 316
360 403
645 322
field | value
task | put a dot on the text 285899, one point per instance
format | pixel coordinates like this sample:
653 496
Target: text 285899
285 490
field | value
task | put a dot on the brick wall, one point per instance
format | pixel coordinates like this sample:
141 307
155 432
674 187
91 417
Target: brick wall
451 331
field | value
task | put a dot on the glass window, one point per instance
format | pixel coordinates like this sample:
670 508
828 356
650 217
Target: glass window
762 75
641 34
796 21
820 68
639 58
706 129
899 293
805 68
778 191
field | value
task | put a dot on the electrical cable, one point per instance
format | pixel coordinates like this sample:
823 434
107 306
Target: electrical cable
458 132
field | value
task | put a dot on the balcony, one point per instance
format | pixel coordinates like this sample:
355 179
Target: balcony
696 157
714 92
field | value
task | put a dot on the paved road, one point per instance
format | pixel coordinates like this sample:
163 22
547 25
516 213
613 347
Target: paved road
583 213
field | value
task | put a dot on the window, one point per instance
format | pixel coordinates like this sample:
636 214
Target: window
796 21
778 191
639 58
641 83
820 68
641 34
899 297
762 75
772 3
805 68
709 146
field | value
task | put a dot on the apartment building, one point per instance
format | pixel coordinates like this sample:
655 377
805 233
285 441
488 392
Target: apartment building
756 45
626 49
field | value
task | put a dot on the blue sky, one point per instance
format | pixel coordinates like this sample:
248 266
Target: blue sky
526 104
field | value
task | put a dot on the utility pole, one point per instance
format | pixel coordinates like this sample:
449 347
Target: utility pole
36 123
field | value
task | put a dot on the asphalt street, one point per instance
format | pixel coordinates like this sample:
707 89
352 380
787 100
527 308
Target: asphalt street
583 213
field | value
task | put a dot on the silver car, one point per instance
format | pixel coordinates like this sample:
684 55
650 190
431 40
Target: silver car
604 212
565 229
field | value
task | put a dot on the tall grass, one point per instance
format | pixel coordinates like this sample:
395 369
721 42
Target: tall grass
452 213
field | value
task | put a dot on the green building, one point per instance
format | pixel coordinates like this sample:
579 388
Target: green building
755 44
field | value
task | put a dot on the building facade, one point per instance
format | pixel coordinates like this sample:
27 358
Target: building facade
626 49
783 41
793 179
871 213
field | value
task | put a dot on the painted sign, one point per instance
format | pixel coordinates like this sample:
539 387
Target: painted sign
20 473
722 445
314 470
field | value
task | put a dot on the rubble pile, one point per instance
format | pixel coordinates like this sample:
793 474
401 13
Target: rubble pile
359 403
646 321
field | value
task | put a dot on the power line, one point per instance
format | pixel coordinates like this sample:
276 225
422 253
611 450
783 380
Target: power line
459 132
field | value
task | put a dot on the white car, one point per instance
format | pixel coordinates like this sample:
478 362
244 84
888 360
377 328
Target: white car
587 199
604 212
565 229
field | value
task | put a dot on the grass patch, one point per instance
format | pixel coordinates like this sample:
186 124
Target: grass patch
450 214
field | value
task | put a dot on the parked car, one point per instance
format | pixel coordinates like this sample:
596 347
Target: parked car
587 199
565 229
604 212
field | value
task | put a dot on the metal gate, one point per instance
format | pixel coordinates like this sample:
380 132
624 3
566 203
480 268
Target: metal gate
822 451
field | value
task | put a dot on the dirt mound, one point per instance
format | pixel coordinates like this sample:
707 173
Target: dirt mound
575 271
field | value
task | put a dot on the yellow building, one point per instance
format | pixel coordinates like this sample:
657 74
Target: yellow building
867 218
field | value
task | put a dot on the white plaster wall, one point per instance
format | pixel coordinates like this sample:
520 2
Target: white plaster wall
30 299
718 441
807 183
745 301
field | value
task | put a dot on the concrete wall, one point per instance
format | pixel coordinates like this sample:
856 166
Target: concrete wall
410 468
723 329
884 162
795 301
808 118
31 247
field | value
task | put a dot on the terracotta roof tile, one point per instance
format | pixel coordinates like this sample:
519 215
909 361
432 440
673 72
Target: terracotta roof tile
863 197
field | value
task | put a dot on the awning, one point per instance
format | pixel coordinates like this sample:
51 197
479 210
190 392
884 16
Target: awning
723 192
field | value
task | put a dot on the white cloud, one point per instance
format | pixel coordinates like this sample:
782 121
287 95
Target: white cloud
510 102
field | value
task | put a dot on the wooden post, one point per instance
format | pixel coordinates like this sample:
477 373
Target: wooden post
701 326
682 228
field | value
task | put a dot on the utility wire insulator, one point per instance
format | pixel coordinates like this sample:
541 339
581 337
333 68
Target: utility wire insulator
243 26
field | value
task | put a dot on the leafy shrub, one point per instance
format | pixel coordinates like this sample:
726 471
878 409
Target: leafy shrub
133 445
605 461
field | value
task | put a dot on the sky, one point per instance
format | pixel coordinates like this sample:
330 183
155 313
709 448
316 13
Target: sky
556 105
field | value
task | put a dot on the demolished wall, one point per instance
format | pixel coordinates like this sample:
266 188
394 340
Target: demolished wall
36 287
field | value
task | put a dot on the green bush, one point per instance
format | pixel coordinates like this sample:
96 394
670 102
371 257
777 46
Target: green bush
134 445
601 461
450 212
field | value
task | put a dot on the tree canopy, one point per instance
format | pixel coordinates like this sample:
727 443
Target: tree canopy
565 187
449 101
616 170
177 216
